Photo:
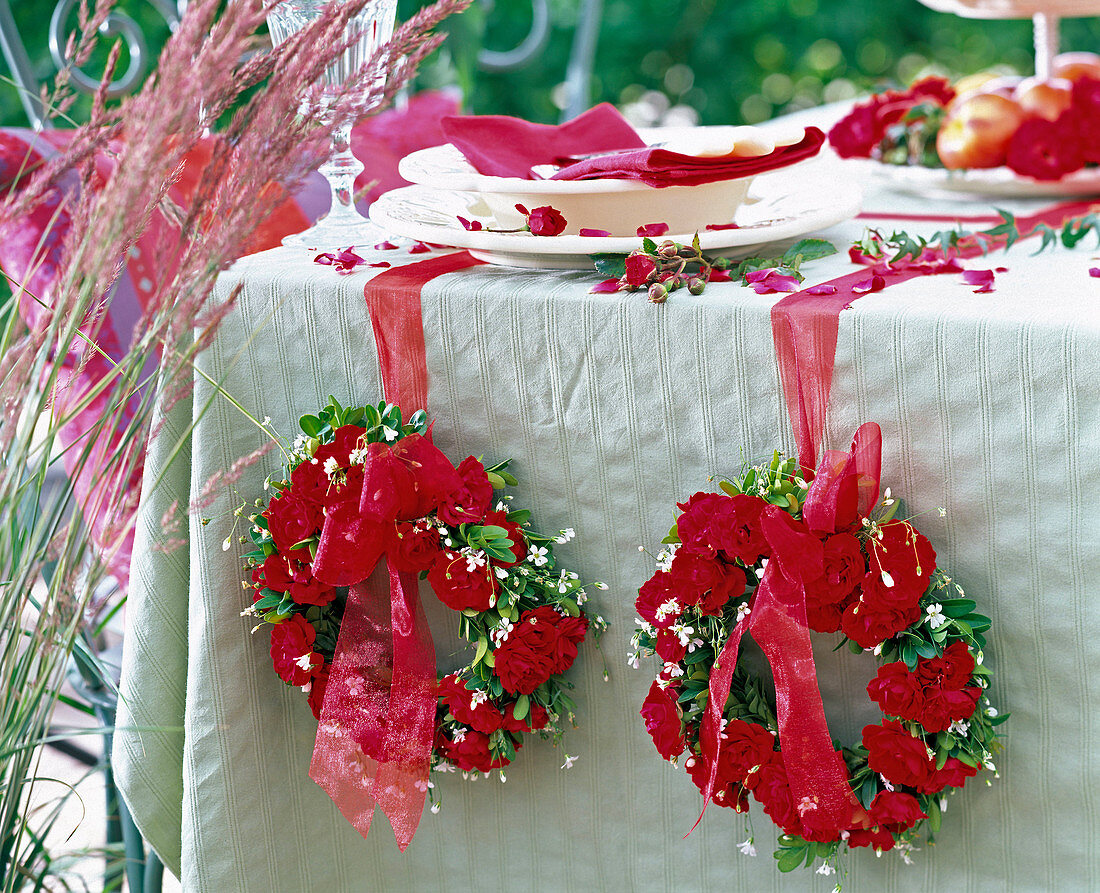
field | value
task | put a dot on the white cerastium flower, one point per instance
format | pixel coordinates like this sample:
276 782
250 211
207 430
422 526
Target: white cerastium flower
935 615
538 556
746 847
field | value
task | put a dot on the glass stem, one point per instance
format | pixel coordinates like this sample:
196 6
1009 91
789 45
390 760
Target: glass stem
341 170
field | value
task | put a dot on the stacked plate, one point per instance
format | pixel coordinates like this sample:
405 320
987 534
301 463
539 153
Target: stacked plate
746 214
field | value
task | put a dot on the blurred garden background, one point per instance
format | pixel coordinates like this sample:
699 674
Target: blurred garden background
711 61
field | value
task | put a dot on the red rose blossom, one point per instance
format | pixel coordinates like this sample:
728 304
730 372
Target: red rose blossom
654 599
1045 150
536 718
895 811
896 755
769 785
695 579
317 692
744 746
291 643
414 546
544 221
542 644
459 700
668 646
639 269
896 691
876 838
844 567
663 721
868 627
459 587
472 752
469 501
1085 108
953 774
900 566
291 519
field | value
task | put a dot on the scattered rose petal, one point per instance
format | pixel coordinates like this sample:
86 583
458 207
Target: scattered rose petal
771 281
595 233
381 263
1000 269
522 210
981 278
470 225
605 287
823 289
1094 272
717 226
858 257
653 229
385 246
419 248
343 261
875 283
720 276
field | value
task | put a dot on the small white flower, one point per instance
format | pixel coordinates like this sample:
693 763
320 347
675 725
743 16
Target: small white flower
331 467
979 658
459 734
538 556
634 660
569 761
225 544
877 650
581 597
478 697
565 536
943 512
935 616
746 847
826 869
743 611
988 764
673 671
502 506
671 608
887 580
358 456
886 784
435 808
603 587
991 711
501 572
389 433
959 727
499 634
305 662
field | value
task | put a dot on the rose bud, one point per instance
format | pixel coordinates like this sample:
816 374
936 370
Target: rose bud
658 294
696 285
668 249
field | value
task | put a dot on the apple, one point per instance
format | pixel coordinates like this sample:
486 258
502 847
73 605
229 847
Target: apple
1041 98
1074 66
976 130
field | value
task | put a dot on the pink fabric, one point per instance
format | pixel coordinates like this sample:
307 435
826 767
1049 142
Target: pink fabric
660 167
31 250
499 146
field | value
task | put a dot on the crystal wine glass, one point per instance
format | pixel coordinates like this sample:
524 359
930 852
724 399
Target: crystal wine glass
343 225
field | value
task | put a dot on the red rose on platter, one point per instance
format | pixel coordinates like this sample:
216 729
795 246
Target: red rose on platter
544 221
663 721
1045 150
868 627
895 811
896 691
472 752
414 546
291 647
317 692
857 133
896 755
469 501
655 600
543 643
639 269
515 534
459 586
953 774
877 838
459 700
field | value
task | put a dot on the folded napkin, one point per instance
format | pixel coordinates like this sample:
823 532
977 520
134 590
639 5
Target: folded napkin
499 146
660 167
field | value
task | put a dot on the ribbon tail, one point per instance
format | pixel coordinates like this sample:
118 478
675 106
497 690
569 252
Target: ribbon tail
816 772
374 736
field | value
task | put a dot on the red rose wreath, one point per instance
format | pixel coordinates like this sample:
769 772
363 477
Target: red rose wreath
360 484
772 555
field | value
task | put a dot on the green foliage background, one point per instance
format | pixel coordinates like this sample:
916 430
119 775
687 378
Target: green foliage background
732 61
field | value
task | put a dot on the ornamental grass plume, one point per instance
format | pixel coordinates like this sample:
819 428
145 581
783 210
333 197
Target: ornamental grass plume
75 416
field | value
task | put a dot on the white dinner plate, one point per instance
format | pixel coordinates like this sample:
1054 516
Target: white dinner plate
784 205
994 182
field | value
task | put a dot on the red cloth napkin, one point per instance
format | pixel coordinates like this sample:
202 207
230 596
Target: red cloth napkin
499 146
659 167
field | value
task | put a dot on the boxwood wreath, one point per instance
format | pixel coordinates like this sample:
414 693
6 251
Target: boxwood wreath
520 611
880 588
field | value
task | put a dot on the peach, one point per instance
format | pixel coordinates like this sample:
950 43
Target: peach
1074 66
1044 98
976 130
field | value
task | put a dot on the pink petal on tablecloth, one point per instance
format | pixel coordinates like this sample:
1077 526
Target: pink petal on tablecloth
605 287
595 233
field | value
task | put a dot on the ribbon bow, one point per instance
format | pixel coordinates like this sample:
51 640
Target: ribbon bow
374 736
844 490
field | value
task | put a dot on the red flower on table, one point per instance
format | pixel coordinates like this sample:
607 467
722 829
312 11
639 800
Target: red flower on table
292 651
469 501
663 721
1045 150
899 757
640 269
343 261
542 644
858 133
461 583
544 221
